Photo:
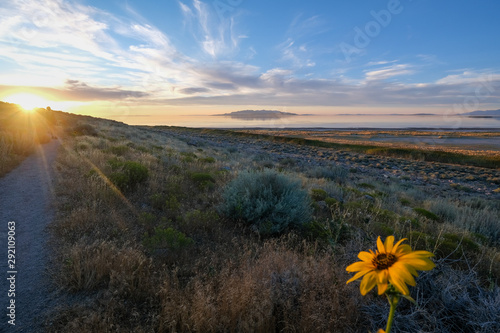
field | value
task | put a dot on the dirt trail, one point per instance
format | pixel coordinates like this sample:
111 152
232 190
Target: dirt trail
26 195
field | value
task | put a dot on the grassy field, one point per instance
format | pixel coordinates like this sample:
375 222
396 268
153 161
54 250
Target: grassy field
155 234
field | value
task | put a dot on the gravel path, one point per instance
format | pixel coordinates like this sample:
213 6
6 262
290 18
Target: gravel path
25 197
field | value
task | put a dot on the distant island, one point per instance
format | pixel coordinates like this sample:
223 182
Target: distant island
483 114
257 114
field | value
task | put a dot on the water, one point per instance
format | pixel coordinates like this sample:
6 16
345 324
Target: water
315 121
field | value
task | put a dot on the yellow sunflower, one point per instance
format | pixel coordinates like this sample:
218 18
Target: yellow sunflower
391 263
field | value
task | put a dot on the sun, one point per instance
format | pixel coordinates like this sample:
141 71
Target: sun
27 101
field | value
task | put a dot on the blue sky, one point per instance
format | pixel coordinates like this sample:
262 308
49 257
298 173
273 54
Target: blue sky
199 57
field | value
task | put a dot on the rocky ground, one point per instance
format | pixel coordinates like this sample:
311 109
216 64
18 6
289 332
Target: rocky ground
439 177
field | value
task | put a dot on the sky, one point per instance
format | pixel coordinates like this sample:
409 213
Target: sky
189 57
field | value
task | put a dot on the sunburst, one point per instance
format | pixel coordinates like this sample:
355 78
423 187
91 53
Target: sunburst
27 101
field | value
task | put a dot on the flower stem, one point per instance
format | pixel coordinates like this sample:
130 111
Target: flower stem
393 301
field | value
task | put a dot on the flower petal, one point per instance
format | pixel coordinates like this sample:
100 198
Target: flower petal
365 256
358 275
388 244
369 281
395 248
380 245
423 254
410 269
402 249
421 264
398 284
400 270
359 266
382 288
382 277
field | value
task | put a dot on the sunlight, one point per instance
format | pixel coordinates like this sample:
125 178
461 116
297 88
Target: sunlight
27 101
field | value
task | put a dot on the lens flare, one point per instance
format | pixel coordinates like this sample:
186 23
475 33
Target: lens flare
27 101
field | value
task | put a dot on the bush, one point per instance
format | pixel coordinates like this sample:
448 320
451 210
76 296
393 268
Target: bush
83 129
207 160
426 213
318 194
118 150
336 173
331 202
130 174
169 238
203 180
269 201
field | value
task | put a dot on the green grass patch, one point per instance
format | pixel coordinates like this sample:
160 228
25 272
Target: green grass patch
425 213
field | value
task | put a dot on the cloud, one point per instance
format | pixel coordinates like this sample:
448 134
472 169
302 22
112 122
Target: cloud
214 33
296 49
194 90
469 77
388 72
75 90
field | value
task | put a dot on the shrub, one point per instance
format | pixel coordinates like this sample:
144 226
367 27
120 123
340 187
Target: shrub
118 150
453 246
130 174
269 201
202 179
368 186
336 173
188 157
83 129
483 221
444 209
168 238
426 213
288 162
318 194
404 202
157 200
330 202
208 159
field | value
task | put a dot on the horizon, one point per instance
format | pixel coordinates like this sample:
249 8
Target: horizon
274 119
186 58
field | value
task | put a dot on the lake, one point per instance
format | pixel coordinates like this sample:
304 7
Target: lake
314 121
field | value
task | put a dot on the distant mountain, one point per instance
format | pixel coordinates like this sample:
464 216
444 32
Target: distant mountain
487 113
257 114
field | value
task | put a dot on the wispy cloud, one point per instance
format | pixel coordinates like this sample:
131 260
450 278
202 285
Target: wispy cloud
215 34
469 76
75 90
295 50
388 72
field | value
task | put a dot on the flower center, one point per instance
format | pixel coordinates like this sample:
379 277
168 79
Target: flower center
384 260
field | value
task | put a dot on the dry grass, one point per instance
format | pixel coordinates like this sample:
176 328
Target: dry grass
21 132
230 279
271 288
